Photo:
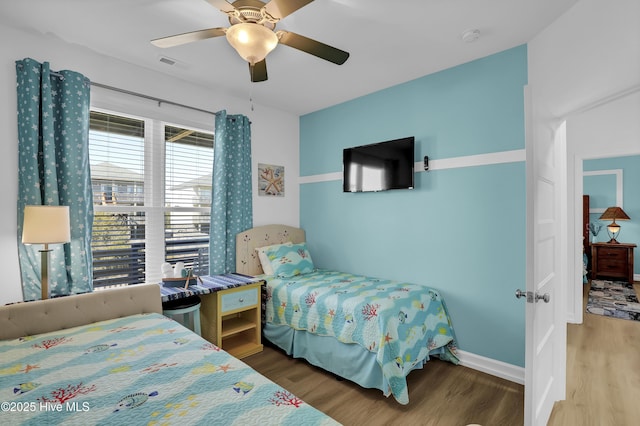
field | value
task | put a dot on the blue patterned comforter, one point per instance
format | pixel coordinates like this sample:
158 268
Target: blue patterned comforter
142 369
402 323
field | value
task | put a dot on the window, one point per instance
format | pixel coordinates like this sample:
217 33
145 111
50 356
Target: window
152 197
188 157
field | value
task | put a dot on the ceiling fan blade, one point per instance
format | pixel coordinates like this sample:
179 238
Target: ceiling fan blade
321 50
258 71
223 5
281 8
178 39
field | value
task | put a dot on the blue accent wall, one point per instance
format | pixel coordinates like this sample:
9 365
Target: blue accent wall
602 194
462 229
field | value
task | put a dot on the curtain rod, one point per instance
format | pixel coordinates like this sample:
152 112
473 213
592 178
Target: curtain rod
152 98
140 95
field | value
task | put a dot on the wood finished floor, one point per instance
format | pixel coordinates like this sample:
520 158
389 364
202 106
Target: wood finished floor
603 373
439 394
603 386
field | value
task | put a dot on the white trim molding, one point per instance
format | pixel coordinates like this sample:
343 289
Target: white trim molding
510 372
619 184
514 156
475 160
325 177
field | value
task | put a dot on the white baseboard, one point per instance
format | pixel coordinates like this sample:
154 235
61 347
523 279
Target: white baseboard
500 369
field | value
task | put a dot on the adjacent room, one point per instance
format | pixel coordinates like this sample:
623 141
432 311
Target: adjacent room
320 212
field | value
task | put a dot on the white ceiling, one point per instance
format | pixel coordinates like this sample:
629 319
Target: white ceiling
390 41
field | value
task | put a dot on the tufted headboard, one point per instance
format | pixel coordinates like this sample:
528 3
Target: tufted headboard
42 316
247 261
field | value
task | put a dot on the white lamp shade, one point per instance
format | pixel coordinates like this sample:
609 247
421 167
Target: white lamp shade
253 42
46 225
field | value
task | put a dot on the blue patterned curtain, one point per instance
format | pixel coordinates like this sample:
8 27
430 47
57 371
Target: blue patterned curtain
53 169
231 203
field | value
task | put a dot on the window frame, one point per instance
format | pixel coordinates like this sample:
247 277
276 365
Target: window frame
155 120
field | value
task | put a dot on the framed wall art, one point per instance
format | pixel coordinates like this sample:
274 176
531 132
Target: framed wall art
270 180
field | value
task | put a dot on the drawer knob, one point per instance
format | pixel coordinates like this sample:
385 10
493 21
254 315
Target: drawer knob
241 300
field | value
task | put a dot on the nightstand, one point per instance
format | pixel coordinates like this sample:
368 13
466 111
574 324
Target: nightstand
610 260
231 319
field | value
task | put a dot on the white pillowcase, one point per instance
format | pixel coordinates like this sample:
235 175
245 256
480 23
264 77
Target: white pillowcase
264 260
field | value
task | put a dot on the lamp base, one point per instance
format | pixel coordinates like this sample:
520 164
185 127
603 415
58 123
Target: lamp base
613 235
44 273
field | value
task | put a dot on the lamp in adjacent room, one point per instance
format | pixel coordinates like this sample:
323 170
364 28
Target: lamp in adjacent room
46 225
613 214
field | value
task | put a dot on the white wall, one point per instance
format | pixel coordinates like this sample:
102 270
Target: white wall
608 130
275 133
589 56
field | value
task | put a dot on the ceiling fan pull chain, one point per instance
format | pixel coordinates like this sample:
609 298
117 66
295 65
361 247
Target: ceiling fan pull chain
251 97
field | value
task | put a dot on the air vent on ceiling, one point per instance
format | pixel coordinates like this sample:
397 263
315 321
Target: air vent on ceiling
167 61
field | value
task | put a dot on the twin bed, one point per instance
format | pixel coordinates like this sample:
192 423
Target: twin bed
367 330
111 357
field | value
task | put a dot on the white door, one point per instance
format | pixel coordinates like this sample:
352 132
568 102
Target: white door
545 352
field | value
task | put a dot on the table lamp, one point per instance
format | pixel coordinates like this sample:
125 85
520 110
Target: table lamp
46 225
613 213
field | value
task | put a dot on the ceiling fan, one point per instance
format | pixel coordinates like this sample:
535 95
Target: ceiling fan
252 33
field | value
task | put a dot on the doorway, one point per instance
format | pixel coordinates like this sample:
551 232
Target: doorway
607 130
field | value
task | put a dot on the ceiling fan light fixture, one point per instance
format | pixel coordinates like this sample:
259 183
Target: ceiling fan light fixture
253 42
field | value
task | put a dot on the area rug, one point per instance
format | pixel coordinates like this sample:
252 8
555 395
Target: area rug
615 299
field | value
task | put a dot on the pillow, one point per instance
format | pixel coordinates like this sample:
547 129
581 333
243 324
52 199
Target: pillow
264 260
289 261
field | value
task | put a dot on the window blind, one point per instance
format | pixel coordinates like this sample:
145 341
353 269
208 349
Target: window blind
137 227
188 173
116 157
116 154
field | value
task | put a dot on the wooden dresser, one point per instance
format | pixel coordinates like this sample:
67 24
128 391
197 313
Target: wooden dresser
610 260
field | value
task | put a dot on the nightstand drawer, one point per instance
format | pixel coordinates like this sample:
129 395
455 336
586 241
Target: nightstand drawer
239 299
230 319
609 265
610 254
612 260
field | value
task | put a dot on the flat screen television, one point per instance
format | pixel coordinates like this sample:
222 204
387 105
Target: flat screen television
379 166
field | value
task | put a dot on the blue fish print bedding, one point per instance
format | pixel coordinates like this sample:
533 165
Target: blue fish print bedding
142 369
402 323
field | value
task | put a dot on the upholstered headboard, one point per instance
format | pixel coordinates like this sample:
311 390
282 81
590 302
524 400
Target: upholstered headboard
247 261
42 316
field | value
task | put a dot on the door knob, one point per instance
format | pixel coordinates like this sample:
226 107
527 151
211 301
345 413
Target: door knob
530 298
545 297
